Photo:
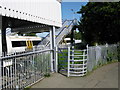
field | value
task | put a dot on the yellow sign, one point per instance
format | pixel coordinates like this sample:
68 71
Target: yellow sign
29 44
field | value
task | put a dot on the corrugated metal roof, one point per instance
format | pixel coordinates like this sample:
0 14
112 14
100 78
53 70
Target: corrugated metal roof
40 11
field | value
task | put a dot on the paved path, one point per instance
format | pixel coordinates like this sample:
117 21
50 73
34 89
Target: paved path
104 77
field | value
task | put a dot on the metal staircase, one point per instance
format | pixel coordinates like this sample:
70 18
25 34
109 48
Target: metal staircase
60 33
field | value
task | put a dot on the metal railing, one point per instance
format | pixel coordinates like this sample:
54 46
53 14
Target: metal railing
60 33
21 70
65 31
46 40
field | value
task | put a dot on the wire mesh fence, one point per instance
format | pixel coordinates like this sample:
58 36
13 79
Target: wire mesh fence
21 70
100 55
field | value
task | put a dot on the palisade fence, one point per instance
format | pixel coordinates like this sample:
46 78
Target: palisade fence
21 70
102 54
96 56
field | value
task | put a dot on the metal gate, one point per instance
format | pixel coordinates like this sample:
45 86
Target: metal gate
72 62
77 62
63 61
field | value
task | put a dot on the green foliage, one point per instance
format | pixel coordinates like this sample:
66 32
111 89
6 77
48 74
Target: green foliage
109 58
27 88
30 34
77 35
47 75
100 22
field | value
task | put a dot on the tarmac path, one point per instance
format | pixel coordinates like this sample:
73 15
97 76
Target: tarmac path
103 77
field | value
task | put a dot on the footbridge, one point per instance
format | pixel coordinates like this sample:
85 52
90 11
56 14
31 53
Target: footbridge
60 33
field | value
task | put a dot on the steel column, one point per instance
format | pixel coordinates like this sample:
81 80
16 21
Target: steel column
55 51
56 59
52 46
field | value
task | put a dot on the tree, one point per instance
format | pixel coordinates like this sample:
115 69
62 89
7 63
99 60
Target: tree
100 22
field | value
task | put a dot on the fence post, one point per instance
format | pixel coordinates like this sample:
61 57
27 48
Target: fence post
68 61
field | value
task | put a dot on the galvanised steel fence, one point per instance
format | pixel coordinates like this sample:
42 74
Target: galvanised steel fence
23 69
100 55
96 56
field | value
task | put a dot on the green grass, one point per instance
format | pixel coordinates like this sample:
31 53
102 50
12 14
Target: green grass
27 88
62 59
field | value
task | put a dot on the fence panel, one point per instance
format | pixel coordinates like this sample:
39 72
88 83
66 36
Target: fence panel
21 70
99 55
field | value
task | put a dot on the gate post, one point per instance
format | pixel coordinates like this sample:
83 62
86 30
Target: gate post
68 74
87 51
87 57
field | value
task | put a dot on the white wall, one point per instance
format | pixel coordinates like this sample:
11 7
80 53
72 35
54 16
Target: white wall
42 11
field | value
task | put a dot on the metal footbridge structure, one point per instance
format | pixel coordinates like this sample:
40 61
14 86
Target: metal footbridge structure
60 33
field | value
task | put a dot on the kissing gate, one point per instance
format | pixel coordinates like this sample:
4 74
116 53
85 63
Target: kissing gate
72 62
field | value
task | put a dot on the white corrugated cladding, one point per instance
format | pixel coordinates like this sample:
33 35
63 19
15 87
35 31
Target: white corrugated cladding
41 11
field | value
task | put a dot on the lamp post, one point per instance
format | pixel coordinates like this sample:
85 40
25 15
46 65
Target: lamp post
73 13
